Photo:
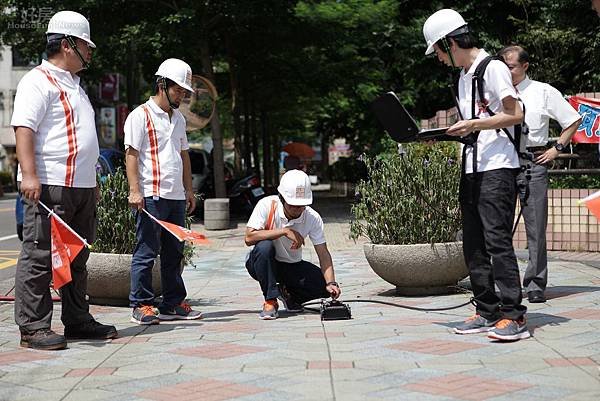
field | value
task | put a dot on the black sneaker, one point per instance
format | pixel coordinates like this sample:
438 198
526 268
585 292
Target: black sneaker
182 311
91 330
43 339
288 301
510 330
144 314
475 324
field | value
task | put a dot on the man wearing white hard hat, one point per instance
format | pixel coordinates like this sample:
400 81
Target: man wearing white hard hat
492 123
57 148
277 229
160 181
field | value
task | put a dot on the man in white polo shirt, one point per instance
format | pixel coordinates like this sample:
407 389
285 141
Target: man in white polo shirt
277 229
487 188
57 149
160 181
542 102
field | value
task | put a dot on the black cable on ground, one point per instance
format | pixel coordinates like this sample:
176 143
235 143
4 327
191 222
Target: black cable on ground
471 301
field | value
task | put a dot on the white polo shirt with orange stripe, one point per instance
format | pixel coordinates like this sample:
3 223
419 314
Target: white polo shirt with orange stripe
268 214
50 102
159 139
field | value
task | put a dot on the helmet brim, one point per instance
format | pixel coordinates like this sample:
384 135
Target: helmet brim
297 202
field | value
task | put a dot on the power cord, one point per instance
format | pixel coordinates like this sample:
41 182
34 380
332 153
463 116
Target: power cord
471 301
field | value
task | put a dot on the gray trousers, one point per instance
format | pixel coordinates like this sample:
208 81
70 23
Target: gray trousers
535 214
33 301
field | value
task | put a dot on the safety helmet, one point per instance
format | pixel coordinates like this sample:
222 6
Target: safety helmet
295 188
440 24
69 23
177 71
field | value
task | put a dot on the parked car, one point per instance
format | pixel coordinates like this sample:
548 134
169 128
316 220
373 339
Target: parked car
200 163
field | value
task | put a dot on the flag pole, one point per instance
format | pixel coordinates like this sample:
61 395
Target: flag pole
160 224
52 213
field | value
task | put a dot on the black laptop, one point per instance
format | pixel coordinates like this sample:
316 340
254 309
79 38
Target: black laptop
400 125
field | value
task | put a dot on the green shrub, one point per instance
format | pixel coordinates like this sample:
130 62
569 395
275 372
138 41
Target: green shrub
574 181
116 223
347 169
5 178
410 198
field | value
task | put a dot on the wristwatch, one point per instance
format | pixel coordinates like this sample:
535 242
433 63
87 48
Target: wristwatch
333 283
559 146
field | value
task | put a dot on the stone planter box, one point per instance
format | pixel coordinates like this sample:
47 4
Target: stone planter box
109 278
421 269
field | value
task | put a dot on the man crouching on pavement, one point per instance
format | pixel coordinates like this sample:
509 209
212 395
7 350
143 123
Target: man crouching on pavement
277 229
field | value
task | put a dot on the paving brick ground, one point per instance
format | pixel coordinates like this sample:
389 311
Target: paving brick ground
383 353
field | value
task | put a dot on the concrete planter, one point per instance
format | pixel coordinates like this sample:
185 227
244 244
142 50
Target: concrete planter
420 269
216 214
109 278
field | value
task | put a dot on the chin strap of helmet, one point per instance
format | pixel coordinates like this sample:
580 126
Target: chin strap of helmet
73 46
446 45
162 82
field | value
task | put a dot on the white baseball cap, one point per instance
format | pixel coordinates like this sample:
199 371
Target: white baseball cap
295 188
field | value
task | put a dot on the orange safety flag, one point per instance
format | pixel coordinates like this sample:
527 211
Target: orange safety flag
592 202
65 246
181 233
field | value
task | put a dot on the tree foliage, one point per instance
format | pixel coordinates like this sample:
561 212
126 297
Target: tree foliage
308 70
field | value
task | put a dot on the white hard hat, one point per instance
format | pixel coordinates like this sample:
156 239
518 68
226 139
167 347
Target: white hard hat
70 23
439 25
295 188
177 71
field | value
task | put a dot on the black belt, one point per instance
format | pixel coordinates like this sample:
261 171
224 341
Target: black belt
537 148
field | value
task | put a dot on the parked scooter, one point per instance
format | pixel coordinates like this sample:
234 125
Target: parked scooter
243 193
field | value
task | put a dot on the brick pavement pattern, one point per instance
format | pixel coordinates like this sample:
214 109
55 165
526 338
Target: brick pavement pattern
383 353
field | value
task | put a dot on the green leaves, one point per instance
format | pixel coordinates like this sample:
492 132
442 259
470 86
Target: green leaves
410 198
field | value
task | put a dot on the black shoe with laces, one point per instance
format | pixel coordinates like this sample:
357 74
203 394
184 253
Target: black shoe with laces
288 301
42 339
91 330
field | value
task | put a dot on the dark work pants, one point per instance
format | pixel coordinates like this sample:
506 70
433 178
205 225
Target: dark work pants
303 280
152 240
487 202
33 302
535 214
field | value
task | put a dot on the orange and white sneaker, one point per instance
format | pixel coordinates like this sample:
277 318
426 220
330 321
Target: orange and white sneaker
475 324
144 314
269 310
183 311
510 330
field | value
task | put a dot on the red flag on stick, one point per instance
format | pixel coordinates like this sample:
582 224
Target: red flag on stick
65 245
181 233
64 248
592 202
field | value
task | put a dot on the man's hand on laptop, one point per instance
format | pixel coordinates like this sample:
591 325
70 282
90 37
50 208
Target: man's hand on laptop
461 128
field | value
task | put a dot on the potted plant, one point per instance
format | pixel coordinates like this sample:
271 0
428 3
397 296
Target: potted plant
408 208
109 264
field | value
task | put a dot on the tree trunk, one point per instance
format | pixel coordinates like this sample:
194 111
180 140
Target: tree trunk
247 137
324 157
235 108
276 156
132 77
255 140
266 142
215 125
